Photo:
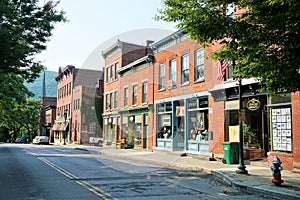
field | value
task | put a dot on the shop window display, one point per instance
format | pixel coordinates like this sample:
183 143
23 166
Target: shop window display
164 128
198 125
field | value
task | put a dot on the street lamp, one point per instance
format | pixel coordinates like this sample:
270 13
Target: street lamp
65 116
241 168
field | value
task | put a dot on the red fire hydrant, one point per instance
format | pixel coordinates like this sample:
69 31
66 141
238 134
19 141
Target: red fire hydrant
276 168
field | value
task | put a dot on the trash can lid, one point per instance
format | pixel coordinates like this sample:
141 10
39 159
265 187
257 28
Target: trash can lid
230 142
234 142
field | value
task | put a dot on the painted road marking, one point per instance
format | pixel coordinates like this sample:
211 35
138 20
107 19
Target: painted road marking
97 191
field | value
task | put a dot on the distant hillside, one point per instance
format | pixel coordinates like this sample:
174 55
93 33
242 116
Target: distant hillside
37 86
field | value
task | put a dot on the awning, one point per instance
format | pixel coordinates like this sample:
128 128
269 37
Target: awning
229 90
60 127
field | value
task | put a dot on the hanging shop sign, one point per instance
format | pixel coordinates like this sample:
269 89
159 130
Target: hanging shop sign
253 104
179 111
166 120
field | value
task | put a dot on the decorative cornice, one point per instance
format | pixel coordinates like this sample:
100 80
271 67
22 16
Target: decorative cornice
170 40
137 63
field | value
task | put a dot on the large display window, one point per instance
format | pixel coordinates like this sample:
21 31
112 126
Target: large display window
281 129
198 125
164 126
198 119
164 121
281 122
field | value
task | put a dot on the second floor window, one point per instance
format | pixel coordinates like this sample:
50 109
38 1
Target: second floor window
111 101
185 69
76 104
134 94
172 78
199 65
126 96
115 99
107 102
107 74
161 77
113 73
229 71
144 92
116 69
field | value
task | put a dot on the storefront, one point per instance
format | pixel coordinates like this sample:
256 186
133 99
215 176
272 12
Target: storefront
135 126
281 132
255 125
254 116
61 132
111 128
198 126
164 131
182 123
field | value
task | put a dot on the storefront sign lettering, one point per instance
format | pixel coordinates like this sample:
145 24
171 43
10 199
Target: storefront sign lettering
192 104
203 103
253 104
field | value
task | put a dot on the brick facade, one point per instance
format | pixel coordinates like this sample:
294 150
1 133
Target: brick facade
68 79
118 56
176 46
86 121
296 128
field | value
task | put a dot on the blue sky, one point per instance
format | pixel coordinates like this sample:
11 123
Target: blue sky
94 22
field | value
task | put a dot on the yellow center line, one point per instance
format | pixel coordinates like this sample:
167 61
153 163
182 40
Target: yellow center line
97 191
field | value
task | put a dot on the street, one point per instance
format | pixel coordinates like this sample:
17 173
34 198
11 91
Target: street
56 172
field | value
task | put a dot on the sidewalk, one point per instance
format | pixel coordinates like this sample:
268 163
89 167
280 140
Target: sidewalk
258 179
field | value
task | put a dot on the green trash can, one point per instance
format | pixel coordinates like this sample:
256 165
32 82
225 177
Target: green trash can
231 152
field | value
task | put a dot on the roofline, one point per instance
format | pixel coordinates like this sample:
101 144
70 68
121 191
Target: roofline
147 58
116 45
167 39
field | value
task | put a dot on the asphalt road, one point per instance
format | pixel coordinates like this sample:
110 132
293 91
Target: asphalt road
23 176
55 172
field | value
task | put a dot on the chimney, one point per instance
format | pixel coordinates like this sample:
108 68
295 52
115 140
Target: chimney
148 42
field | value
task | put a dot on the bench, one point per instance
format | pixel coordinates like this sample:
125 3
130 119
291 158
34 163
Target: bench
120 144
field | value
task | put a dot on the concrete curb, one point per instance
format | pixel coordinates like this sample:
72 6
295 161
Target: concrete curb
218 174
249 189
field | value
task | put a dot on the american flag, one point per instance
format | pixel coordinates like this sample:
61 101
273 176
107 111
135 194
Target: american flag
222 65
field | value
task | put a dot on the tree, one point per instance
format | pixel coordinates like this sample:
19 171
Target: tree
12 89
25 27
19 116
261 36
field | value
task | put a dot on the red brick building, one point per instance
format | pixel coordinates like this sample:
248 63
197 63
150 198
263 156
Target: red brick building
136 106
183 105
87 111
125 112
195 112
48 115
68 79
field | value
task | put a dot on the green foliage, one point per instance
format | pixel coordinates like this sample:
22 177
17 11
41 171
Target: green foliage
25 27
12 89
263 39
20 118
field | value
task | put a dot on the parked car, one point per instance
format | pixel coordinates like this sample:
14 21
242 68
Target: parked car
96 141
41 140
21 140
35 140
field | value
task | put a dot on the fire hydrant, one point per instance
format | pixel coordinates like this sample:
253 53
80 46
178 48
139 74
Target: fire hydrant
276 168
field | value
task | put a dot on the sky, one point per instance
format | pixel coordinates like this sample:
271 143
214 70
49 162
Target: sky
94 25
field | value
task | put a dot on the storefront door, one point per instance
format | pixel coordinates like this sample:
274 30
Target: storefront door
255 126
